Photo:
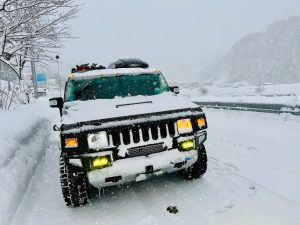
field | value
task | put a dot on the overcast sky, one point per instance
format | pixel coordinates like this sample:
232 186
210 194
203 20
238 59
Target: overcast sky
179 36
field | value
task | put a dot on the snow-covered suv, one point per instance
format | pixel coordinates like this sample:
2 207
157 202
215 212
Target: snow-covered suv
125 124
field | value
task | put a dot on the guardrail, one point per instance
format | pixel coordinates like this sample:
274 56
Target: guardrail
253 107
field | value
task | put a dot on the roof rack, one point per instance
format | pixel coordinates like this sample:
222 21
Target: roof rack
128 63
87 67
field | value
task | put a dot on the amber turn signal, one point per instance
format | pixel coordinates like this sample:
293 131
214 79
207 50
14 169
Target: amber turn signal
201 122
71 143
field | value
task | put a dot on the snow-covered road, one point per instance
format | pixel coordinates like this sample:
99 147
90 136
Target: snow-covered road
253 178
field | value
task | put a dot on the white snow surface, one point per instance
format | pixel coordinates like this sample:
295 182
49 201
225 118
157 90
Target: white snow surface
288 94
114 72
253 177
79 111
23 138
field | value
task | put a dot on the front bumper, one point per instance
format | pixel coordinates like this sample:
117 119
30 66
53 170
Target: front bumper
139 168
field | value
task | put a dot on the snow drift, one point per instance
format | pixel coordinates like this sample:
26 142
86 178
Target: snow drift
23 137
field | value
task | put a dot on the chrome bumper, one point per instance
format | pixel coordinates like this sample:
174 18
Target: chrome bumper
139 168
142 167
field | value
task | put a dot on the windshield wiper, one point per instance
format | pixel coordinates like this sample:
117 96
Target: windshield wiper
79 94
135 103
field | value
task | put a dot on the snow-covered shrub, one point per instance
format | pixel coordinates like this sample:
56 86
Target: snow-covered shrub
203 90
12 95
259 89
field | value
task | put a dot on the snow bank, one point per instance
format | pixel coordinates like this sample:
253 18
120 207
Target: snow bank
16 129
23 138
288 94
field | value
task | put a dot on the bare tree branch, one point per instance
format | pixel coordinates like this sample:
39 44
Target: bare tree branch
31 30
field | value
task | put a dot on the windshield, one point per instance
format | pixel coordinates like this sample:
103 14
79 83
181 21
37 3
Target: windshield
115 86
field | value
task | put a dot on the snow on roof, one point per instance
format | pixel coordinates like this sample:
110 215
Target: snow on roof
114 72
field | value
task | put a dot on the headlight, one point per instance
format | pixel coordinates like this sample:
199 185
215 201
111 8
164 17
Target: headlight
184 126
71 143
98 140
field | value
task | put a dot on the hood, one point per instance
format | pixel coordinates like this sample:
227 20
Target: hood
81 111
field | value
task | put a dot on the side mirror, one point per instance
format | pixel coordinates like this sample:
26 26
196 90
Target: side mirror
57 103
56 128
174 89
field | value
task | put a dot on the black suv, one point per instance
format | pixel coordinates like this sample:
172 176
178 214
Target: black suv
122 124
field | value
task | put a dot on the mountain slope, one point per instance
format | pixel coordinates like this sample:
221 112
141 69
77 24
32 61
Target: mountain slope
271 56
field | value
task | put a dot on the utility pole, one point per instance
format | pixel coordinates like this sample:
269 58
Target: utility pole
35 90
3 40
59 84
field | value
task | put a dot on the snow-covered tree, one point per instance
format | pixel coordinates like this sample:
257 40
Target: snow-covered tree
31 30
271 56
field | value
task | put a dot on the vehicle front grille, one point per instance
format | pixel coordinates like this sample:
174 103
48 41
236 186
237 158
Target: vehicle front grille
142 134
145 150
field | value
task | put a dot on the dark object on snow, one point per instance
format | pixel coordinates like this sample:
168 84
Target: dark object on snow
82 68
128 63
95 66
86 67
172 209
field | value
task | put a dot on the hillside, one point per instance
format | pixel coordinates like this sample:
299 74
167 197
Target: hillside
271 56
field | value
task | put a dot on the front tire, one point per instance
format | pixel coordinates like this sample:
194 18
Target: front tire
73 184
199 167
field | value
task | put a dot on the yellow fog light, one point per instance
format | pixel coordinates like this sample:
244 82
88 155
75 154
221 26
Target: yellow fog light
184 126
187 145
101 162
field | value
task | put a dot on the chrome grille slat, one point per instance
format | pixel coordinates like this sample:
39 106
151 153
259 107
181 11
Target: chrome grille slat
110 138
176 132
130 137
121 138
137 138
141 135
167 131
159 132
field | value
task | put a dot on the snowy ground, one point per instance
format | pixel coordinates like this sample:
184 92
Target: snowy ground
23 138
279 94
253 178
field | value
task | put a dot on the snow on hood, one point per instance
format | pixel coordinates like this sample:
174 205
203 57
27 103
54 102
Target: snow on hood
80 111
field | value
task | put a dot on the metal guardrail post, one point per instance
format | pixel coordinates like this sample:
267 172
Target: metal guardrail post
253 107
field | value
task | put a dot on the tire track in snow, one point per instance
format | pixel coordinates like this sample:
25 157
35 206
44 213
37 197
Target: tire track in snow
232 173
24 140
20 213
21 168
255 156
